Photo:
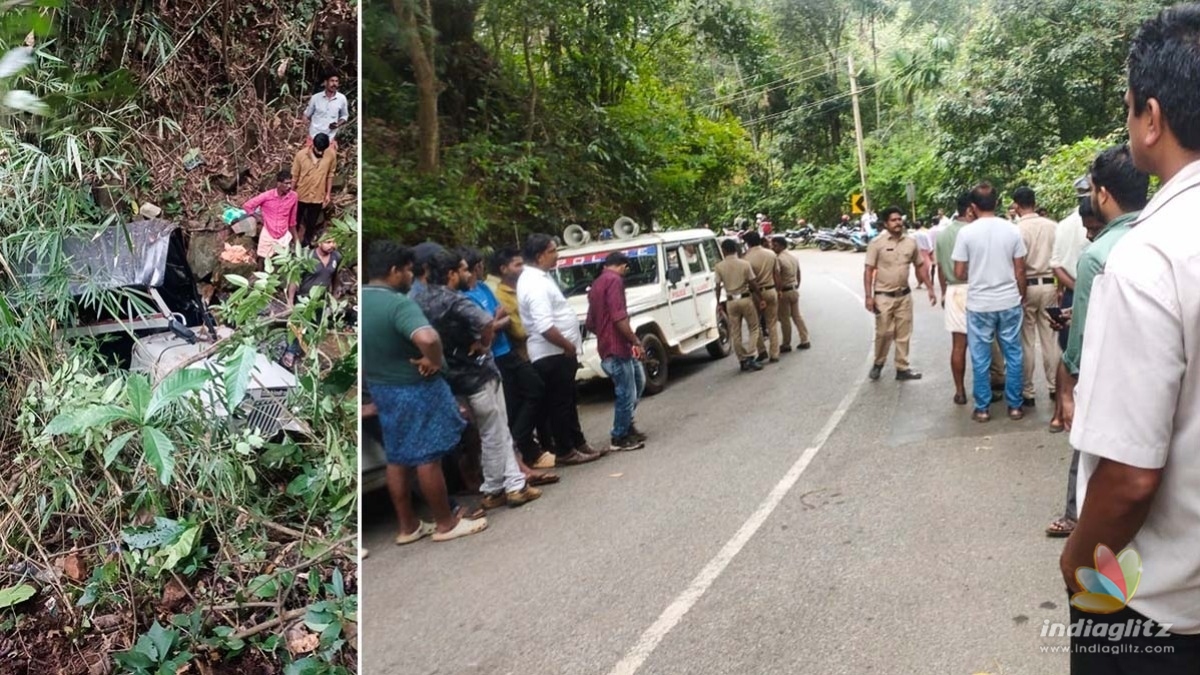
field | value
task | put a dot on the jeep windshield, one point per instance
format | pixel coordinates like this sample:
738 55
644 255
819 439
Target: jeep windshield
576 273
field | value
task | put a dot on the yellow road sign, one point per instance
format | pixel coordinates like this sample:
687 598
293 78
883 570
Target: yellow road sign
856 203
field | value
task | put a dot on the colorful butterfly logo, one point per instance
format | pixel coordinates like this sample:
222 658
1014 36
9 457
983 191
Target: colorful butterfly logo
1111 585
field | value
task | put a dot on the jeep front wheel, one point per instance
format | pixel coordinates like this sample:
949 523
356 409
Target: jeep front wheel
655 363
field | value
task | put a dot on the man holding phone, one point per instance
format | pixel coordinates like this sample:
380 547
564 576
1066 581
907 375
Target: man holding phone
1117 196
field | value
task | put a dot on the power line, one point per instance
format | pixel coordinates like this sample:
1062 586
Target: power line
783 67
809 106
787 82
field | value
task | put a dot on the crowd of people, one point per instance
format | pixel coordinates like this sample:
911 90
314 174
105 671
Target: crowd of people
291 211
1104 301
762 294
453 341
1108 297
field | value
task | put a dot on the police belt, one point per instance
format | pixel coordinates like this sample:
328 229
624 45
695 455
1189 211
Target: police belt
740 296
894 294
1040 280
787 289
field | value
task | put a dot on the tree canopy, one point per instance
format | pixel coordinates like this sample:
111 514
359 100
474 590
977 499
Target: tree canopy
692 112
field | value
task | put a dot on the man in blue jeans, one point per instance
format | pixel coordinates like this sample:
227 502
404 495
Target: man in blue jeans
619 348
990 255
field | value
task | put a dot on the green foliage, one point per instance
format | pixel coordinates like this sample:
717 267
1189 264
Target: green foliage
1052 177
1036 75
156 652
15 595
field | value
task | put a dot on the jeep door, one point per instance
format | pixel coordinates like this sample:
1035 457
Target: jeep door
685 319
704 282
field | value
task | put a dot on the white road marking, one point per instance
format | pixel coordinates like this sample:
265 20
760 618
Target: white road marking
674 613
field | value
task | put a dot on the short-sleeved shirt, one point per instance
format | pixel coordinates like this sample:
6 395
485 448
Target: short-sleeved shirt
312 174
482 295
763 262
322 275
460 324
891 256
323 110
1091 263
989 246
735 275
925 239
789 270
388 322
1070 238
542 307
945 247
606 306
1038 234
278 211
507 295
1139 390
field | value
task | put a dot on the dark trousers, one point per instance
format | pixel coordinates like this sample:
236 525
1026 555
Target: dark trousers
523 391
560 402
307 216
1131 655
1072 509
1068 299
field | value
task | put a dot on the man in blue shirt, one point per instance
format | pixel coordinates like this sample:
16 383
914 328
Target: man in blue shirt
521 401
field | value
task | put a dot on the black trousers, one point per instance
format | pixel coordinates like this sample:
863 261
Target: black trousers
560 402
1133 653
523 392
307 215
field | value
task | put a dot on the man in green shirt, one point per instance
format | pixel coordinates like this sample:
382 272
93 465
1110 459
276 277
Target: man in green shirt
402 361
954 295
1119 192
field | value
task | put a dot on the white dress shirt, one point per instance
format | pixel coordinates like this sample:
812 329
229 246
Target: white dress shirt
542 307
1070 238
1138 397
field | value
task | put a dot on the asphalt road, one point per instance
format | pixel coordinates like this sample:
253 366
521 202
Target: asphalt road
797 520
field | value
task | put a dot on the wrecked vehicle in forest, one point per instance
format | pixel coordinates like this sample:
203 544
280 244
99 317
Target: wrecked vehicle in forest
135 291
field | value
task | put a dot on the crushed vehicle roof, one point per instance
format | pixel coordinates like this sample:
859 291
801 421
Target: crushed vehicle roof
134 254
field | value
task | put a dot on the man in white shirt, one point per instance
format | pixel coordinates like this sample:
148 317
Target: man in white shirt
1136 419
554 344
1070 238
327 110
990 255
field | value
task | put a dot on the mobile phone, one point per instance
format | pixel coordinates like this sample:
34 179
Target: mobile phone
1056 314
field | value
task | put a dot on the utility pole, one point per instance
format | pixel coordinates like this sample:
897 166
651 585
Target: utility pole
858 134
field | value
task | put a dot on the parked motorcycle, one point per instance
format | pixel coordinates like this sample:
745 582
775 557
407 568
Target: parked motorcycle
800 237
841 238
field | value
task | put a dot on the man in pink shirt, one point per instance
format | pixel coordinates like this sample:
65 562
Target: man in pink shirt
278 216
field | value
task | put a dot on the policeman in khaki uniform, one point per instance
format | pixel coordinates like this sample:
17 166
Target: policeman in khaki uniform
789 296
888 294
742 303
766 275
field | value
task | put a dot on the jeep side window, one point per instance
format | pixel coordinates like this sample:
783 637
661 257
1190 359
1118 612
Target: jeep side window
691 255
709 246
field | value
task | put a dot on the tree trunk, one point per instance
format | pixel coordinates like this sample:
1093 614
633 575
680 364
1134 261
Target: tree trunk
418 23
526 38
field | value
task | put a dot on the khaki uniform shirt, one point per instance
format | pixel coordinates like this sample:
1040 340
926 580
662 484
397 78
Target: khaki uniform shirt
311 174
1038 234
763 261
789 270
891 256
734 274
